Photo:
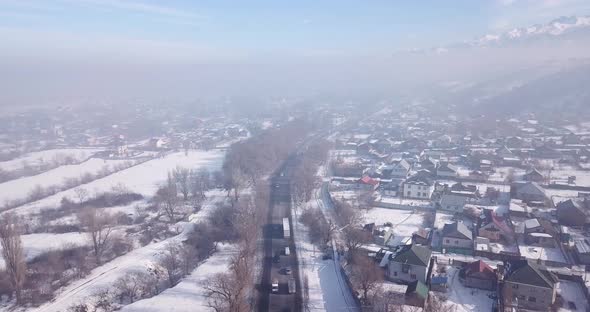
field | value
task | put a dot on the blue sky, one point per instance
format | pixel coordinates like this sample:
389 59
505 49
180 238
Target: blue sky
222 28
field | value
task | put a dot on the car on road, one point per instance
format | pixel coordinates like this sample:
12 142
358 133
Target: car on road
276 258
286 271
275 286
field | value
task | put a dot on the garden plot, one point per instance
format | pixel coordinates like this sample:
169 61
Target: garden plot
144 178
466 299
405 222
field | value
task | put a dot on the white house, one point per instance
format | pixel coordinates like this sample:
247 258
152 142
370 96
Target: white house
418 186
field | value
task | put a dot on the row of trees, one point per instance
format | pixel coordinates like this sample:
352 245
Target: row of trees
246 166
40 165
249 161
39 192
230 291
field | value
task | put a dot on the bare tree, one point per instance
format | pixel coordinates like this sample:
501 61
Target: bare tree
12 252
438 303
103 300
366 276
228 291
181 175
167 199
134 286
81 194
171 263
354 238
189 256
99 225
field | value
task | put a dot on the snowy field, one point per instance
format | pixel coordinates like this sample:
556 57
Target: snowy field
136 260
19 189
36 244
143 179
35 159
405 222
189 295
466 299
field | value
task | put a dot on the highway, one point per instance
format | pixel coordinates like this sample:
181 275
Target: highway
280 255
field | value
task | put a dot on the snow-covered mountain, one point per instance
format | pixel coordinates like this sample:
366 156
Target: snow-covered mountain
556 27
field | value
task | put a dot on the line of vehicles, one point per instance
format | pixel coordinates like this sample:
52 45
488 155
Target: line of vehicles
291 285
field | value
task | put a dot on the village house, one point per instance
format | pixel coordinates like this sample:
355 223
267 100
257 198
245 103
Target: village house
582 250
367 183
528 192
446 170
421 237
400 169
527 285
418 186
454 202
533 175
409 264
573 213
390 189
479 275
494 227
457 238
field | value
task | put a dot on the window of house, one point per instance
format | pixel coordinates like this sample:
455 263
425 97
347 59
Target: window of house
394 273
405 268
448 241
514 286
532 299
409 193
456 242
413 276
521 297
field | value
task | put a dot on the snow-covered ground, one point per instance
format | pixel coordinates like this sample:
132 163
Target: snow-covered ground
37 244
309 264
35 159
466 299
19 189
405 222
105 276
335 292
188 295
542 253
143 179
441 219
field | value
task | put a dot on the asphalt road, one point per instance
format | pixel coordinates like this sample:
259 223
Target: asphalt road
276 261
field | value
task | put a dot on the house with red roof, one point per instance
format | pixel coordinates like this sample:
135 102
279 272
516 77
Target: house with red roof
478 274
494 227
368 183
